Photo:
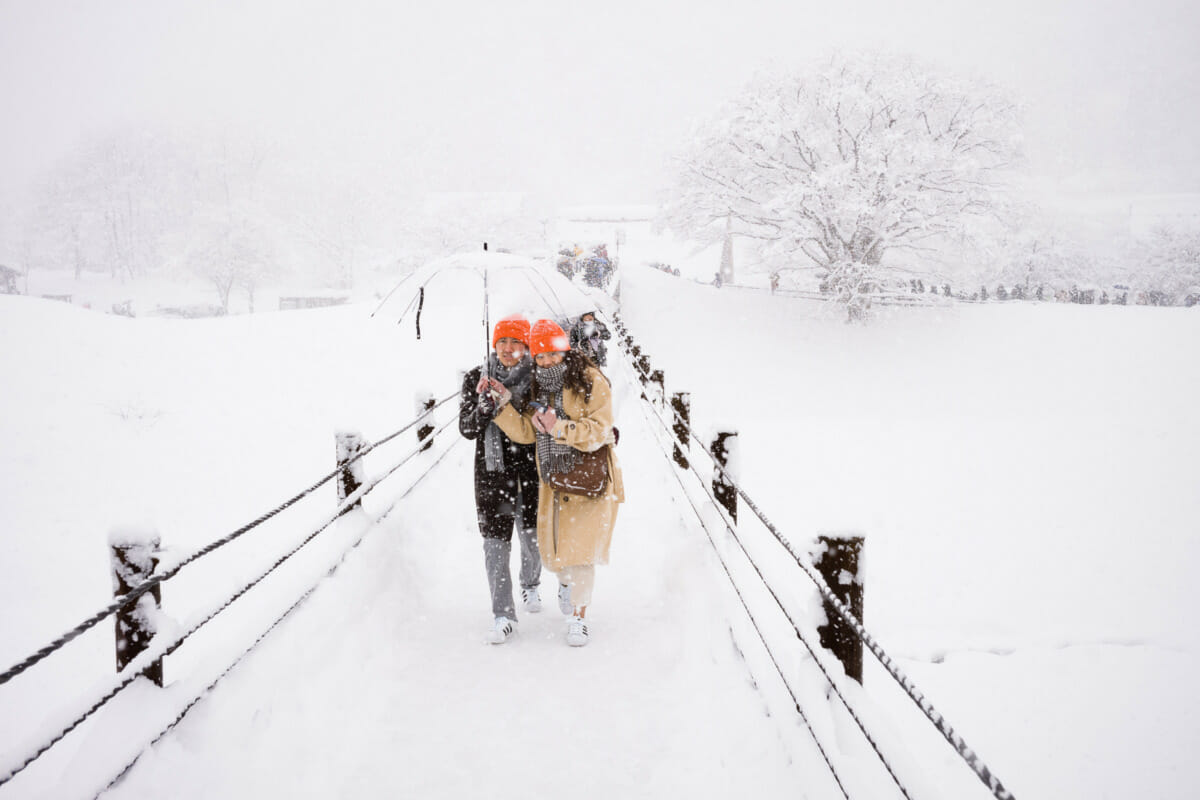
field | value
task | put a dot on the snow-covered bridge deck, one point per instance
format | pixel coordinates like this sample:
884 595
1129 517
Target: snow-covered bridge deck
909 427
382 684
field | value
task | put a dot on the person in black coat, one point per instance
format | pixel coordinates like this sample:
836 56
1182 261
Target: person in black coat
588 335
506 478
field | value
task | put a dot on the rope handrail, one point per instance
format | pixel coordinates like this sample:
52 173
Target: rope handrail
341 510
126 600
767 647
405 429
341 560
889 297
774 596
156 651
955 740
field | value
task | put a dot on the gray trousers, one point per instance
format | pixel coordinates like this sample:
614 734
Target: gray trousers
496 554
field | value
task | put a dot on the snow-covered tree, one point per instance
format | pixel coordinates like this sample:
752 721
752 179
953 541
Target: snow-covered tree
230 248
835 169
1043 249
107 207
64 226
1169 266
346 227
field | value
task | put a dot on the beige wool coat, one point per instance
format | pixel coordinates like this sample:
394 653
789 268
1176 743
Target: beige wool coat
574 530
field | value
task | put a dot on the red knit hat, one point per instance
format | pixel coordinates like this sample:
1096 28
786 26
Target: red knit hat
546 337
514 327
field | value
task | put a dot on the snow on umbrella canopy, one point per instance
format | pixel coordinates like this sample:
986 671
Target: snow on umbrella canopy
450 314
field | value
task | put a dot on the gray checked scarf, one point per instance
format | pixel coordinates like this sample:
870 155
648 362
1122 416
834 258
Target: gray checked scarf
516 380
552 456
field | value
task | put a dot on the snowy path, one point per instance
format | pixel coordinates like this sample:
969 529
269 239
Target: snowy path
960 441
383 686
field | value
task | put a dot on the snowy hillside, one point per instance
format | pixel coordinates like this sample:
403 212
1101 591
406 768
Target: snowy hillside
1025 475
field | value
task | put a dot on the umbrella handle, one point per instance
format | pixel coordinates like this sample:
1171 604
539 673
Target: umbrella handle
487 349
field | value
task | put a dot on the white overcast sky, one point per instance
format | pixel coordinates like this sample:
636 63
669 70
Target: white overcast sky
578 100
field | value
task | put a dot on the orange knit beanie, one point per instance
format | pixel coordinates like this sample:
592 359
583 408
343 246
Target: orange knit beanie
546 337
514 327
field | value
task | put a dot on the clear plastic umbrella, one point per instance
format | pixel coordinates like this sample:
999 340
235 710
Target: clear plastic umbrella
453 300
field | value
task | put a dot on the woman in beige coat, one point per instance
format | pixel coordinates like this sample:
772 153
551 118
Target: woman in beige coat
571 412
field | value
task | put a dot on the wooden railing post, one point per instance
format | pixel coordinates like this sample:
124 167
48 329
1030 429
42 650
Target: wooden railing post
351 476
837 556
681 404
635 350
657 377
134 555
425 402
724 449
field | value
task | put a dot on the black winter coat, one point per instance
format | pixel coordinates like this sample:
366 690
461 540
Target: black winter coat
593 347
507 496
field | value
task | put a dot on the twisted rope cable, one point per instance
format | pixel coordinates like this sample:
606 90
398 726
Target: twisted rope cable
973 760
774 596
137 666
342 508
128 599
134 669
770 653
341 560
406 428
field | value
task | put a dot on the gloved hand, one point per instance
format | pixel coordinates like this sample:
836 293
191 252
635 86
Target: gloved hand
543 421
486 409
495 390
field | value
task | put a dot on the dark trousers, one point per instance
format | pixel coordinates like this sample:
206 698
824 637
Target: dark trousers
504 500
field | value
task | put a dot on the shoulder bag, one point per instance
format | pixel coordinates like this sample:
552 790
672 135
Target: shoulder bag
589 476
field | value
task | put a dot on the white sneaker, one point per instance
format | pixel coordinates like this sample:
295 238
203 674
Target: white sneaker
577 632
501 630
532 600
564 599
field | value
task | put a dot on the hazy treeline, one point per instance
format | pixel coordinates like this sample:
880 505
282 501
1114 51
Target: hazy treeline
861 174
867 172
241 215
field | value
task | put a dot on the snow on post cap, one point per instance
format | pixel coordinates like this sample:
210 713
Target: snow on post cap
126 536
733 461
817 549
343 433
423 398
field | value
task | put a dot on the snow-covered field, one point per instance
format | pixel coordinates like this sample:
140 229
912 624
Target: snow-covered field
1026 476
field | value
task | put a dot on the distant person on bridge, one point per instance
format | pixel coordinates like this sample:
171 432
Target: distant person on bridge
569 412
506 478
588 335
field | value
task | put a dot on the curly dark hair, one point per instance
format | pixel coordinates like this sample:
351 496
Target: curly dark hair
576 377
